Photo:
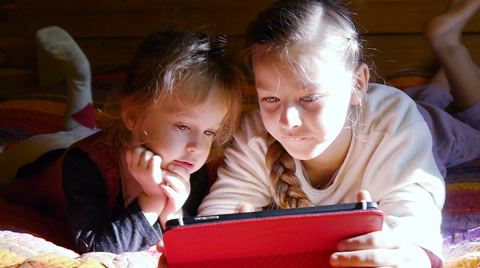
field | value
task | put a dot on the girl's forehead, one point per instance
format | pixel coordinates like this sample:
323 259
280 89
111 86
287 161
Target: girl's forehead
183 102
304 70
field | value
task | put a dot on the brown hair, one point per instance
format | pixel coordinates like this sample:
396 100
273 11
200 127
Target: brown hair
326 29
162 64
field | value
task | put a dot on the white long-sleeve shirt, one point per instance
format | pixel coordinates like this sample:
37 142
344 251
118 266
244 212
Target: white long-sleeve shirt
390 155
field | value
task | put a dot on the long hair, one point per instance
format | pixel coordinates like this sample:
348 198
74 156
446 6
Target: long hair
325 30
166 60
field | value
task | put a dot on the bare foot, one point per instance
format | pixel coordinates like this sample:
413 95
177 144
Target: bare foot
446 29
444 35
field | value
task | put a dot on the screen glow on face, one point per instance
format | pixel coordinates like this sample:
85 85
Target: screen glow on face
304 117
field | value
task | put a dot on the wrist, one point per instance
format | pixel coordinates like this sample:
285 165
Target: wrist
152 207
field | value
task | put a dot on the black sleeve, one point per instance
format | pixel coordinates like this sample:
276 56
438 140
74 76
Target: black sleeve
126 229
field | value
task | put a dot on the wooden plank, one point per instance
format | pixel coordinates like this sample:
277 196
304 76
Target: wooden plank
393 53
17 52
390 53
131 18
138 23
109 52
109 31
12 30
12 80
101 52
400 16
136 18
104 52
143 3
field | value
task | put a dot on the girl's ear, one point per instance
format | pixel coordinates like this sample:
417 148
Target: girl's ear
362 76
129 113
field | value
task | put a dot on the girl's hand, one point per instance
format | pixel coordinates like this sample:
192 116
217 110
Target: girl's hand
145 168
378 249
162 262
177 189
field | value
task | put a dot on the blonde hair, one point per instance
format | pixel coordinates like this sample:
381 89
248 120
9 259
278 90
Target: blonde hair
164 62
326 31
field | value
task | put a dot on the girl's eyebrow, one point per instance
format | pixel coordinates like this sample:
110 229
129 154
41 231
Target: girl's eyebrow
261 87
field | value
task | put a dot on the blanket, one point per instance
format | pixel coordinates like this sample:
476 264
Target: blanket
30 239
25 250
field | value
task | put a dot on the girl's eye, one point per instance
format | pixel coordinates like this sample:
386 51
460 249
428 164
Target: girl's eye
182 127
271 99
209 133
310 98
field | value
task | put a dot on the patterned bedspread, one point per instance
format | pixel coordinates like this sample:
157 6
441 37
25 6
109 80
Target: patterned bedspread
461 216
27 248
461 232
27 251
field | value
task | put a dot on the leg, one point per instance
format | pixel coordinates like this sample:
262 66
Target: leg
79 119
440 78
444 36
29 150
454 142
60 46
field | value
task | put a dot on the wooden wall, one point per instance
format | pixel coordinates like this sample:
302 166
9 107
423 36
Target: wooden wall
109 30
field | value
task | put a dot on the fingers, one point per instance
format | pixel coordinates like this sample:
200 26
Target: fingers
178 170
177 178
162 262
364 195
366 258
406 256
176 186
154 167
145 168
160 247
140 158
376 249
244 207
380 239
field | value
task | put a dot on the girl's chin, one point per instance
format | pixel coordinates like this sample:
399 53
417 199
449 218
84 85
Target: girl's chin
303 155
305 152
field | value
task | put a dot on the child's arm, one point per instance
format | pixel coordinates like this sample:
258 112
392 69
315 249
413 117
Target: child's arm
95 224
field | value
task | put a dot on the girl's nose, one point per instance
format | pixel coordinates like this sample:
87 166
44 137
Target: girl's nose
291 117
194 143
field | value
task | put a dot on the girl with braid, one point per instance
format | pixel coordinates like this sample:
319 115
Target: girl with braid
324 135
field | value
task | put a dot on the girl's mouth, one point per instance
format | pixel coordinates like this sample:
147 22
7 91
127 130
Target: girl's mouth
186 165
293 138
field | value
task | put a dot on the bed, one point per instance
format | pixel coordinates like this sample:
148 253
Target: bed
29 238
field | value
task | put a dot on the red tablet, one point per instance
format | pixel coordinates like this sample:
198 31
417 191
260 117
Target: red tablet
302 237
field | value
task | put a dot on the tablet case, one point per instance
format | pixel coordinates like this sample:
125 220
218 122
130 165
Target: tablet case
299 240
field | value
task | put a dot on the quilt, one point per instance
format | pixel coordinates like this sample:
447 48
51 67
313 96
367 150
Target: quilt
30 239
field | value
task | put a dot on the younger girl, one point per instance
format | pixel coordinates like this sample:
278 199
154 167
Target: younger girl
181 99
323 135
172 112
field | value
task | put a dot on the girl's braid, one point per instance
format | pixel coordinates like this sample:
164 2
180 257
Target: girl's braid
288 192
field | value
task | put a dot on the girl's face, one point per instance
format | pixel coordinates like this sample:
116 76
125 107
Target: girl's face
305 117
180 131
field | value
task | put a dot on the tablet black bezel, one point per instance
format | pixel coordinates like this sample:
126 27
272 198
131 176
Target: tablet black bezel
185 221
